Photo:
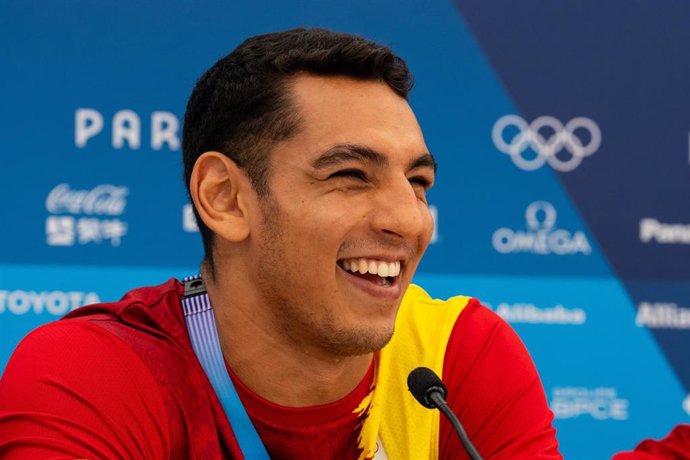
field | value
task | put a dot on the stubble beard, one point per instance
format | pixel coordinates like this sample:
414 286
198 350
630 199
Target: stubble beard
307 326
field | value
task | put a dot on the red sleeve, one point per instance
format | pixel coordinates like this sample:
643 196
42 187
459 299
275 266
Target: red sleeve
73 390
675 445
494 389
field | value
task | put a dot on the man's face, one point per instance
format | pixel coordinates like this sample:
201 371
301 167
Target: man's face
346 221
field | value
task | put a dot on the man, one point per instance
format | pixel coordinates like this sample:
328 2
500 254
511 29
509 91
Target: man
308 172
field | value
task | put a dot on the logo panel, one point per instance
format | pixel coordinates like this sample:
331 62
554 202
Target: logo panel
653 231
80 217
600 403
20 302
529 313
541 235
549 141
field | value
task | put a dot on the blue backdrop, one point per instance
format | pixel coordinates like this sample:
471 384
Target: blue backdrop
562 130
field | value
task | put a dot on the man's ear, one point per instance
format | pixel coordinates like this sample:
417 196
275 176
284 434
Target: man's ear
220 189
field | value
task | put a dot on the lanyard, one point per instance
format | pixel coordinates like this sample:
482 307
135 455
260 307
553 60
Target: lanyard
201 325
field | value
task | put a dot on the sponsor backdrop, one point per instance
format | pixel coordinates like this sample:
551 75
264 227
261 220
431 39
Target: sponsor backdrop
562 130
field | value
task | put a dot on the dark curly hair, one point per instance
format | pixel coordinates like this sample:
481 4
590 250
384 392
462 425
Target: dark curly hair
240 106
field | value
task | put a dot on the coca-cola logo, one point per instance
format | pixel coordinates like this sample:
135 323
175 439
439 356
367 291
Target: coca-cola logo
104 199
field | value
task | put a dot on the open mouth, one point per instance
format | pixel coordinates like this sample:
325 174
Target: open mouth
378 272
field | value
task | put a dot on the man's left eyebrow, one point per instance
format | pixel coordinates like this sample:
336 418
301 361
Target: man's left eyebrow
340 153
426 159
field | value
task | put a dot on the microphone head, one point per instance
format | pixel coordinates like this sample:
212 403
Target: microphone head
422 382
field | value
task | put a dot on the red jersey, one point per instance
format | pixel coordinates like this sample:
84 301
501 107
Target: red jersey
121 380
674 446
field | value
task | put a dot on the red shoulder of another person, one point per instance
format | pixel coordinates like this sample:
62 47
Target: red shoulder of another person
675 445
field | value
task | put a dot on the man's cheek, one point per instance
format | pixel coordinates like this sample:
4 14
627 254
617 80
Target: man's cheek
430 227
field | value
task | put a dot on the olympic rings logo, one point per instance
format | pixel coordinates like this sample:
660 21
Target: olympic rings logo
535 136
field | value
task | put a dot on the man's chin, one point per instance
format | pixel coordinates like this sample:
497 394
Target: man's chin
357 343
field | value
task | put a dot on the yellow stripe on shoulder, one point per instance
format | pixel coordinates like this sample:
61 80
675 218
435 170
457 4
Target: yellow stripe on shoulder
422 329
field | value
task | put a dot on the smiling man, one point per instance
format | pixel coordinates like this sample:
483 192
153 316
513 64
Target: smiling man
309 173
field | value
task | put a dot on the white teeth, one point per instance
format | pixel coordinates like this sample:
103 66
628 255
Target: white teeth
383 269
363 266
374 267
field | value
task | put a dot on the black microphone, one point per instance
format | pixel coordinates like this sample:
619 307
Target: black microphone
429 390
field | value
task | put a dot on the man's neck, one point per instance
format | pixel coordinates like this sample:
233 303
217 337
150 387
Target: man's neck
273 366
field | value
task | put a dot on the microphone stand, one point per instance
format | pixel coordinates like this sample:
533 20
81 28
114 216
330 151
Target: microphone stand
442 405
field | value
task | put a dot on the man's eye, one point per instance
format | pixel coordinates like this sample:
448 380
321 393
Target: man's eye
421 181
354 173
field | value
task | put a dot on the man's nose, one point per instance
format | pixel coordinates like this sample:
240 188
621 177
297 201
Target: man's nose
398 211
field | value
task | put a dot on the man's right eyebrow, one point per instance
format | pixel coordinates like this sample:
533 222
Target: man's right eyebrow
341 153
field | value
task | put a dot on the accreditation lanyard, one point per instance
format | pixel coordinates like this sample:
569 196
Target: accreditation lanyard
201 325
